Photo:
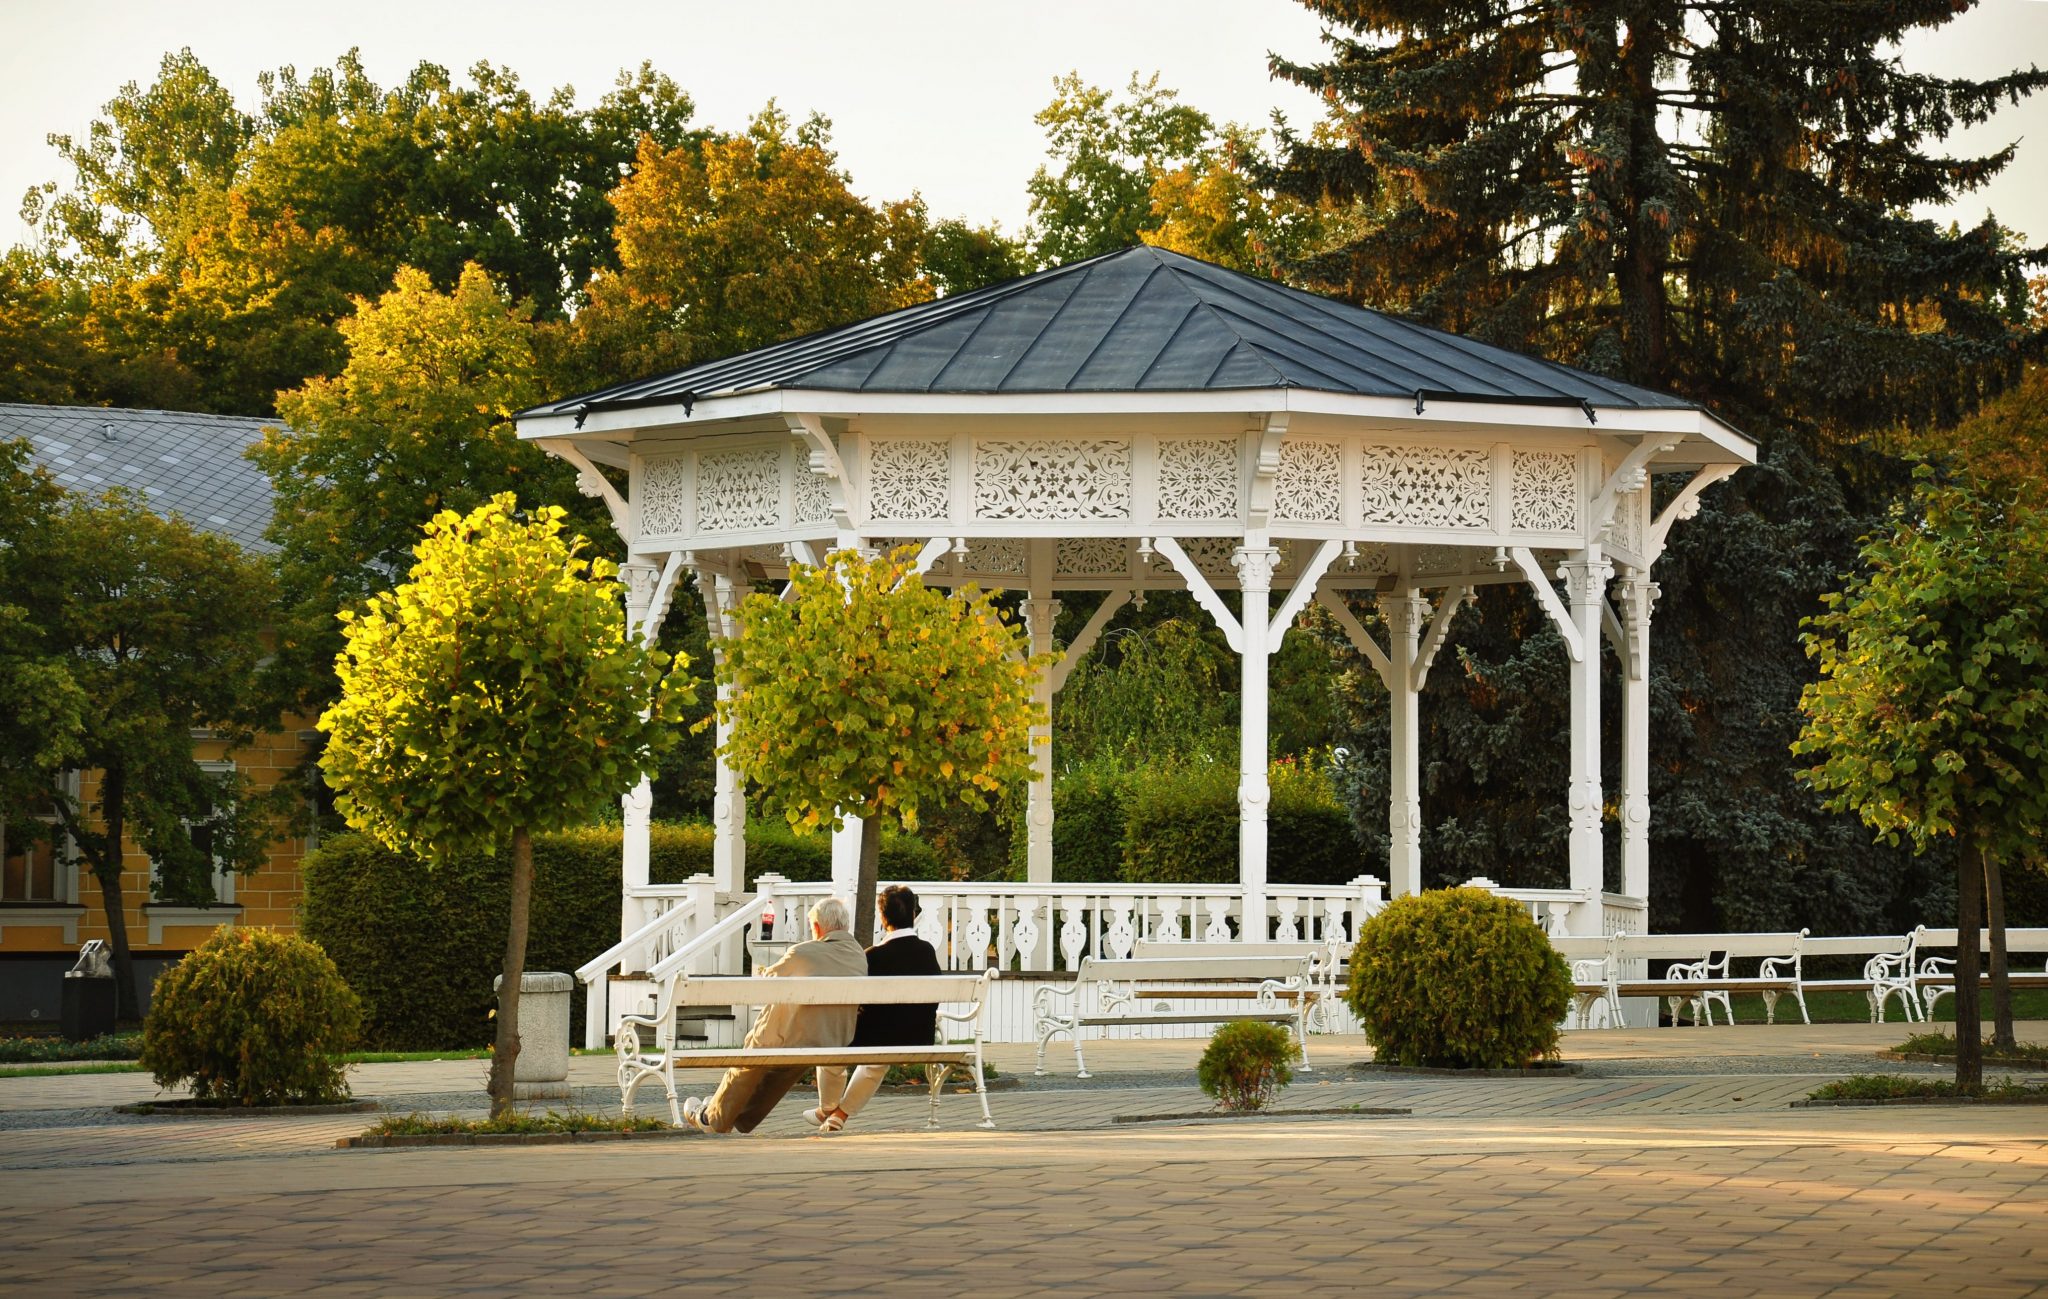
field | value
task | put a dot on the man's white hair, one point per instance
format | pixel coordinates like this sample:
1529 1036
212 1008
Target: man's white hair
831 915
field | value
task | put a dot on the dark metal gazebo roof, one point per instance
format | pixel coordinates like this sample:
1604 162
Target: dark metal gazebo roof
1133 321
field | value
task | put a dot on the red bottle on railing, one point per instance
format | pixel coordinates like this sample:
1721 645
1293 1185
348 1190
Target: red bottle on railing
768 923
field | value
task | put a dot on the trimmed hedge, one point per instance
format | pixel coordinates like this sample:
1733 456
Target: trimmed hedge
1180 827
421 946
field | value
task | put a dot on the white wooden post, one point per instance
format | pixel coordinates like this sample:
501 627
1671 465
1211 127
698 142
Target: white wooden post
1405 612
846 860
1638 597
1255 566
1586 577
1039 612
729 795
636 806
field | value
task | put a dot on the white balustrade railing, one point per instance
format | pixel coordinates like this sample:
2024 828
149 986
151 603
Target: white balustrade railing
681 928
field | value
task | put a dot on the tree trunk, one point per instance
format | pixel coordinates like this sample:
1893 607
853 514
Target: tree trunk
870 879
2001 989
505 1055
1969 920
106 868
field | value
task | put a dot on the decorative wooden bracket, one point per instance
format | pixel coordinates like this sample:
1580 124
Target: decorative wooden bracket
824 459
1199 587
1112 600
664 591
1359 637
1546 595
1270 430
591 482
1447 608
1631 474
1304 588
1683 506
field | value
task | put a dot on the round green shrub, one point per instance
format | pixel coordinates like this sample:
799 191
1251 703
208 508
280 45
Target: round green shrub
252 1017
1246 1064
1460 979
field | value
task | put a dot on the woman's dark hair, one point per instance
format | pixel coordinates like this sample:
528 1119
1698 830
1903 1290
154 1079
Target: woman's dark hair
899 907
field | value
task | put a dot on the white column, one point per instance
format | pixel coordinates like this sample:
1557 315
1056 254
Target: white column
1586 586
729 795
636 806
1638 597
1039 613
1405 612
1255 566
846 860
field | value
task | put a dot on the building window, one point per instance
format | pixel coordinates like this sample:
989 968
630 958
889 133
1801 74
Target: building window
37 863
204 830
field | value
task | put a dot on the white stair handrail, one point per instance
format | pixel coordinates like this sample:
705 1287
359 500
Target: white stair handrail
612 956
735 921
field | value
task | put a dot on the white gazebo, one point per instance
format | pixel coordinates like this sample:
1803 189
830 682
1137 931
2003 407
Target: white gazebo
1144 421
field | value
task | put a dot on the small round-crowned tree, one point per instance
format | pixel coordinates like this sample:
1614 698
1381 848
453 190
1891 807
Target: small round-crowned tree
1460 979
252 1017
861 692
1246 1064
493 695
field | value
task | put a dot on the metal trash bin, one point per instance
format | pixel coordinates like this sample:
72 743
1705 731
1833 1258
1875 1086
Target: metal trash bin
542 1071
87 1005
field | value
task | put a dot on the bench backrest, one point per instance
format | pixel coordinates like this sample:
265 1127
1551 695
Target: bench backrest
1695 947
1242 969
2016 940
1153 949
1855 945
859 990
1580 948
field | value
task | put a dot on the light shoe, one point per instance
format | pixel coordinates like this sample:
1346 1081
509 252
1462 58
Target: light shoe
833 1122
693 1115
816 1118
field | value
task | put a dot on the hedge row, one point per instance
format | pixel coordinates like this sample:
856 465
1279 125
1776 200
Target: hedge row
420 946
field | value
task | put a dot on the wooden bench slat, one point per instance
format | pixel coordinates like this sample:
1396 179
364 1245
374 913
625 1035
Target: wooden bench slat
1139 1021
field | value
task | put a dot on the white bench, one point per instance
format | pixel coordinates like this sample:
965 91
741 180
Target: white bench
1594 979
638 1064
1935 976
1327 965
1144 991
1702 974
1887 971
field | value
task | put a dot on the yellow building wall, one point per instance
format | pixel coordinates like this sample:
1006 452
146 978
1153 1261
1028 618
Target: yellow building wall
267 897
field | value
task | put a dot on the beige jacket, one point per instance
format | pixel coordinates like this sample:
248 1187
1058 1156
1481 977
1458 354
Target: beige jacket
836 955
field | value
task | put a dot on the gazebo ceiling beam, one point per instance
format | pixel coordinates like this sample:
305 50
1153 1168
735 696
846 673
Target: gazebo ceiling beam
1553 604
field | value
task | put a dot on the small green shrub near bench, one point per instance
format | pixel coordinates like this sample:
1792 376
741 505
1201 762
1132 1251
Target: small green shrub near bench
1944 1046
1459 979
1892 1087
1246 1064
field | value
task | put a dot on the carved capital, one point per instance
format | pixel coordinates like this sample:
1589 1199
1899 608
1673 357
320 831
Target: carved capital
1039 616
1405 612
1586 580
1638 599
639 579
1255 565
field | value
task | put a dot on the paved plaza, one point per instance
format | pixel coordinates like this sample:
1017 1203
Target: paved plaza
1675 1166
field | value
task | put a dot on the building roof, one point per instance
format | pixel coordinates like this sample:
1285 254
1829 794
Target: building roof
1143 319
189 465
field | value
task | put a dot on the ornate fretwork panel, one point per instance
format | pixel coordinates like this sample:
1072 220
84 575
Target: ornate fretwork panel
1439 559
1002 556
739 490
1198 478
1426 487
910 479
1094 557
1628 521
1545 492
1053 480
664 498
813 495
1373 561
1211 555
1310 486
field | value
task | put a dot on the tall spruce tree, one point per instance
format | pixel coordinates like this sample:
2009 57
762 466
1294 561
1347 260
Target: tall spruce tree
1713 199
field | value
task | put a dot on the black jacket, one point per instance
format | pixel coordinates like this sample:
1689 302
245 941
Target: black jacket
908 1024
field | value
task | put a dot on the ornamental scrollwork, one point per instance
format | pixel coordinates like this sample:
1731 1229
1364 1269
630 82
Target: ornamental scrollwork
739 490
1628 521
910 479
813 496
1055 479
1544 492
997 556
1094 557
1310 485
1426 486
1198 478
664 501
1211 555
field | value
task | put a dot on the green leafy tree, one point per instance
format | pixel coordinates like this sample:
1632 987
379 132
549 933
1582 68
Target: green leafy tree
1929 715
139 630
1095 193
418 421
493 695
1713 199
867 694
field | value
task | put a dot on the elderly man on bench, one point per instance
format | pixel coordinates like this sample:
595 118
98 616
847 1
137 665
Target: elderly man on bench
747 1096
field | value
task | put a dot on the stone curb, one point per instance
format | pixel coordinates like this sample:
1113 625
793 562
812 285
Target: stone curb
1921 1057
1430 1071
186 1110
426 1140
1349 1111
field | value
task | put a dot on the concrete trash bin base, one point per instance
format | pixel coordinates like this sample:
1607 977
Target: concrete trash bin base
542 1071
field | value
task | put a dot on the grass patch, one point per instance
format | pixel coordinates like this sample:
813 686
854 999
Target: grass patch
68 1069
50 1050
515 1123
1890 1087
1944 1045
914 1075
1835 1006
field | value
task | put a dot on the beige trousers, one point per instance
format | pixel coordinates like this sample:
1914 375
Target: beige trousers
836 1093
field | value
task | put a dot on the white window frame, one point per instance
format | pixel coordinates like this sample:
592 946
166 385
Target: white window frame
225 909
66 875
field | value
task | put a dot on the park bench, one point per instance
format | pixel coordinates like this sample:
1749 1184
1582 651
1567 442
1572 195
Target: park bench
1595 977
1155 990
1934 977
1328 966
638 1063
1700 972
1887 971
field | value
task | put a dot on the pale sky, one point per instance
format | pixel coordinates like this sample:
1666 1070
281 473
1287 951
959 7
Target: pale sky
929 95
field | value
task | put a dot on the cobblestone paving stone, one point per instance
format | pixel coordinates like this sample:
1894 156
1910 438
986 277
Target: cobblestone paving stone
1693 1181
